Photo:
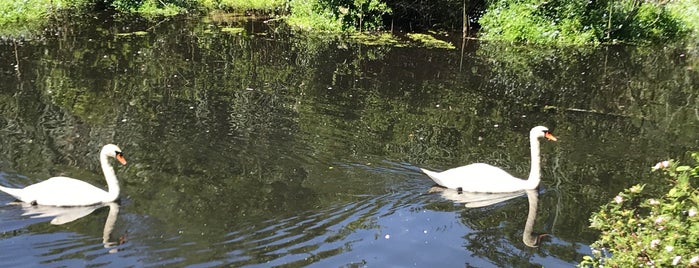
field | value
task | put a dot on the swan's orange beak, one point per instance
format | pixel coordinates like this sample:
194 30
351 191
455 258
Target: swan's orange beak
550 136
121 159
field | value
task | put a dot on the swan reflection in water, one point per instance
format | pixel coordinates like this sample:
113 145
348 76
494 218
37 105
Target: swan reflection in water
477 200
63 215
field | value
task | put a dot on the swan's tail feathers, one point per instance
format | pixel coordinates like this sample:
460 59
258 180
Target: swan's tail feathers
434 176
14 192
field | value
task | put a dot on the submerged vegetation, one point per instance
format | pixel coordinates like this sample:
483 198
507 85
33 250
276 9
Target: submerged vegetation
430 41
551 22
640 228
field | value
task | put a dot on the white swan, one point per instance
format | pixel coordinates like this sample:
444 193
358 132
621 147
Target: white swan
485 178
67 192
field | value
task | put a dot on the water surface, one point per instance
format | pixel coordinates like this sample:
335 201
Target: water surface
270 149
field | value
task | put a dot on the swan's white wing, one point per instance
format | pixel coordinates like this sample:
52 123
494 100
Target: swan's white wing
63 191
477 177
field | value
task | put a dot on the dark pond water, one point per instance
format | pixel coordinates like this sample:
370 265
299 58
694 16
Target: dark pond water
266 148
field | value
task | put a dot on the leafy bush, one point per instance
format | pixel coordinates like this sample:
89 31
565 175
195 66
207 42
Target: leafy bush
649 22
580 22
309 15
237 5
639 229
362 14
24 11
150 8
336 16
688 12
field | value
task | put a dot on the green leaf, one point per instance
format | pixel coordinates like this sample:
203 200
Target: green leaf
682 168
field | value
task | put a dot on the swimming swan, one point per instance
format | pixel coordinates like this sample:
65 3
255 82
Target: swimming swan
485 178
69 192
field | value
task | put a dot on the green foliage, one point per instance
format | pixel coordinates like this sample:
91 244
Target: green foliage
29 18
159 8
14 12
126 5
640 229
336 16
647 22
309 15
151 8
522 22
580 22
531 21
19 19
260 5
688 12
361 14
174 7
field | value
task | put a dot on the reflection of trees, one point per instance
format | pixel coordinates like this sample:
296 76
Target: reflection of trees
199 141
615 81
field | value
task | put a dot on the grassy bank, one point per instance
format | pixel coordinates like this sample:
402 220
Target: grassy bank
19 14
12 11
522 21
580 22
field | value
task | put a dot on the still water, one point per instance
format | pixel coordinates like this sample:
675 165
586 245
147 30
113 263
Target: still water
265 148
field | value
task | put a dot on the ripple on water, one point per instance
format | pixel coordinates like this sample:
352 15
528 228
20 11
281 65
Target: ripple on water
47 248
306 238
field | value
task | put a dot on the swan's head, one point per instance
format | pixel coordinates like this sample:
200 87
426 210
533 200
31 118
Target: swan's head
112 150
542 132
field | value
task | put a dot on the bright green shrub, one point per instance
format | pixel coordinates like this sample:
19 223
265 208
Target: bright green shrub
238 5
522 24
688 12
336 16
309 15
150 8
639 229
580 22
29 11
649 22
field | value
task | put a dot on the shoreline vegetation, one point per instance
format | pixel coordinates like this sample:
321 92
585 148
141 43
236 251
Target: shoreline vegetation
640 227
562 23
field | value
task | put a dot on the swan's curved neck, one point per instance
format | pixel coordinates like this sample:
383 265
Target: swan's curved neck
535 171
110 176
